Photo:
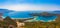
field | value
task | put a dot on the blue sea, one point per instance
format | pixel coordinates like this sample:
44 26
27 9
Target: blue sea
26 14
46 18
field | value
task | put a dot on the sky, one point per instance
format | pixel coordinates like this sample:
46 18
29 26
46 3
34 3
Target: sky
30 5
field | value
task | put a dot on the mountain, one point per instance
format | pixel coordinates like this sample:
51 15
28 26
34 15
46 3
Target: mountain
5 11
56 12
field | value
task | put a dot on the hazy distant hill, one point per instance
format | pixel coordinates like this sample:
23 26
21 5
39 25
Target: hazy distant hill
57 12
5 11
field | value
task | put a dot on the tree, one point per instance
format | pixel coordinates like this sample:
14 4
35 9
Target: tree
10 21
55 24
7 18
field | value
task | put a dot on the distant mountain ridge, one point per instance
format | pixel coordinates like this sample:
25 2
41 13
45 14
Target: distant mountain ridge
56 12
5 11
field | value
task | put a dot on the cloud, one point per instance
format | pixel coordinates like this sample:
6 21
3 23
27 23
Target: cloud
31 7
